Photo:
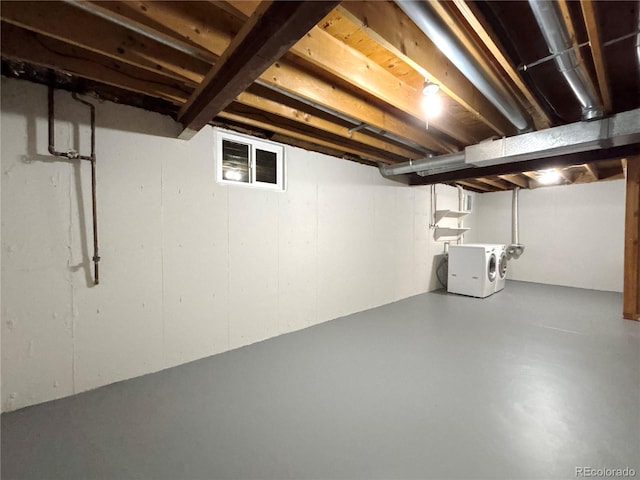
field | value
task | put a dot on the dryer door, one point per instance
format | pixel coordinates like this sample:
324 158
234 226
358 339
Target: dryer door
502 265
492 267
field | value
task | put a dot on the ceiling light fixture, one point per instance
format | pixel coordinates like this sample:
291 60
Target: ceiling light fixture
431 101
547 177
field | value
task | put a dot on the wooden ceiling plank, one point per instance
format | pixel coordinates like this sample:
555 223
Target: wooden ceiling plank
205 28
330 54
103 37
472 16
593 170
499 185
515 179
290 113
631 288
288 76
263 121
476 185
385 23
265 37
37 49
591 23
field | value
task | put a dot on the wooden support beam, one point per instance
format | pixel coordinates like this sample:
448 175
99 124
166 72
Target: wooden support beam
385 23
631 289
497 184
207 26
593 170
330 54
37 49
590 21
81 29
266 121
267 35
471 14
515 179
478 186
258 97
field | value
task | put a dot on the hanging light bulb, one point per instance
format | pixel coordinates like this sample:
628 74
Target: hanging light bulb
431 102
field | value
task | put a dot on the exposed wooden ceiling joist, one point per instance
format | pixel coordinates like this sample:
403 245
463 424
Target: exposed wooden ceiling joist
192 23
591 23
103 37
515 179
387 24
264 38
482 30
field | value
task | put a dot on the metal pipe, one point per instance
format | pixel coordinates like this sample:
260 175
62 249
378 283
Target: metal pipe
516 248
94 209
449 160
346 118
433 27
148 32
73 155
569 63
515 234
617 130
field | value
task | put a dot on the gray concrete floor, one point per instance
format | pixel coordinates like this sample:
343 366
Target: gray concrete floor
529 383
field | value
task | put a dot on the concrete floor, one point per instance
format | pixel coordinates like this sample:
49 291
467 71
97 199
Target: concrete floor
529 383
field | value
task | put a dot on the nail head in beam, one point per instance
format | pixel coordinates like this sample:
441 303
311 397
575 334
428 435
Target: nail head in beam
265 37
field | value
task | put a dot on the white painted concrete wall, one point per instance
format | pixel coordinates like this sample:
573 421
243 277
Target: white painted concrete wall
574 235
189 267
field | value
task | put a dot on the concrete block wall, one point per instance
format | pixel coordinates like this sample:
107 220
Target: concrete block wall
190 267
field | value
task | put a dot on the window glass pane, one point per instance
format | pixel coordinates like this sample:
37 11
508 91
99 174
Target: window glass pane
235 161
266 167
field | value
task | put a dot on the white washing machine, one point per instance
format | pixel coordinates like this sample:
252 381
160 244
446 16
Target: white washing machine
473 269
501 255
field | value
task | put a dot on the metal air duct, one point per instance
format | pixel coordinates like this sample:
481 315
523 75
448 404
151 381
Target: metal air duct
433 27
561 45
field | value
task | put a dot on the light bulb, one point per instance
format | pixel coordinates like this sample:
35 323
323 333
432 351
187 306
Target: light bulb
432 105
547 177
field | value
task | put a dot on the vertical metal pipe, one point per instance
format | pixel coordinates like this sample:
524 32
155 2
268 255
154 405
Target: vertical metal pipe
515 234
94 208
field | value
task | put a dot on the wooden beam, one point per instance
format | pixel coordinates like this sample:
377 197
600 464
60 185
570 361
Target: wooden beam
330 54
470 13
269 122
208 27
385 23
76 27
44 51
631 289
515 179
590 21
476 186
498 184
258 97
593 170
267 35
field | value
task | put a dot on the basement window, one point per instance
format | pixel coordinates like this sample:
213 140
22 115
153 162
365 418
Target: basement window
244 160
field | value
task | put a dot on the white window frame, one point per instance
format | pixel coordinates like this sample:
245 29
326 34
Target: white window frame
254 144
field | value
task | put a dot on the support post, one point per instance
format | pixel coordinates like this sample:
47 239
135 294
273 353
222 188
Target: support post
631 294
